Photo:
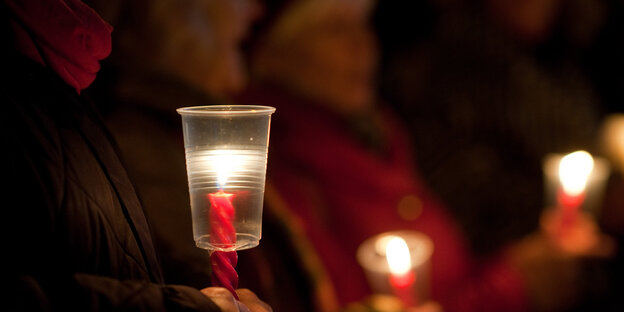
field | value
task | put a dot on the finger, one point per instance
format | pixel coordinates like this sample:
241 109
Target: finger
222 298
242 307
252 301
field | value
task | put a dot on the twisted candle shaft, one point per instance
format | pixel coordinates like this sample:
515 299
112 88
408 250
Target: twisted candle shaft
223 233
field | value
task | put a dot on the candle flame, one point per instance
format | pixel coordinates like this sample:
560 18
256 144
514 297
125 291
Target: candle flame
574 171
398 255
225 163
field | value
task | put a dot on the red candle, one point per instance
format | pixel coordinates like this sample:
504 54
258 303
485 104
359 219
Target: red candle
402 285
569 205
223 233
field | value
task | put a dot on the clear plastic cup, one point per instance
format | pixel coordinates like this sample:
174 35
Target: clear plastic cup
226 155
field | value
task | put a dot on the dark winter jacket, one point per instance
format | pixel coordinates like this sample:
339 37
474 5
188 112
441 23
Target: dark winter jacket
75 237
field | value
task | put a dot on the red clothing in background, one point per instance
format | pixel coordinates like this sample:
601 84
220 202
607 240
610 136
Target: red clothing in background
66 35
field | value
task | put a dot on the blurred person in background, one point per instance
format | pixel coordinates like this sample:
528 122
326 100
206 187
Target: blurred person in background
173 54
75 235
342 169
170 54
476 83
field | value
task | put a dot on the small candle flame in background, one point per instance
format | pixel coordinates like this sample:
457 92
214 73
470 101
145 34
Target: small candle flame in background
400 264
577 181
574 171
398 255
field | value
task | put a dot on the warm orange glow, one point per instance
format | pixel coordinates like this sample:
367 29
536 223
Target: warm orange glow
574 171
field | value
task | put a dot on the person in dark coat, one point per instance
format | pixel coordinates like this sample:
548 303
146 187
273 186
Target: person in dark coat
75 237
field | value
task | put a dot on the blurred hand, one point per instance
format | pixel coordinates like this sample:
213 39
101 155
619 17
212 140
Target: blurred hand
249 302
581 237
551 260
249 299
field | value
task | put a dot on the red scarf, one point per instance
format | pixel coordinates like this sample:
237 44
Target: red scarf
66 35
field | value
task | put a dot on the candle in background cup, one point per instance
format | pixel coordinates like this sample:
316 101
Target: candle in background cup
612 140
226 154
574 186
398 263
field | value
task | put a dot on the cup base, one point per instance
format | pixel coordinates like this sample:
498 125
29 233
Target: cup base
243 241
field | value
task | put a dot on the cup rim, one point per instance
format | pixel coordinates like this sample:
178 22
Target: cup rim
238 110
